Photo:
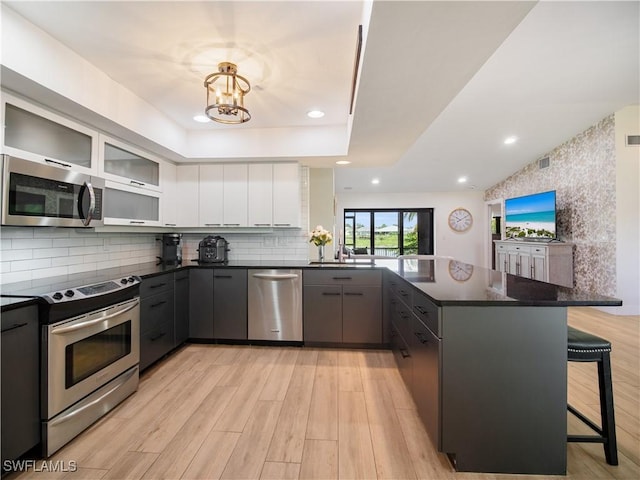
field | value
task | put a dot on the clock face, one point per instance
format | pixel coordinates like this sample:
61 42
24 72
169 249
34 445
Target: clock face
460 220
460 271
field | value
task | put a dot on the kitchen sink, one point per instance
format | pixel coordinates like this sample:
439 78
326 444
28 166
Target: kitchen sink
336 264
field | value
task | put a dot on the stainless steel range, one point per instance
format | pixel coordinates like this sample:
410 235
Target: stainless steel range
90 355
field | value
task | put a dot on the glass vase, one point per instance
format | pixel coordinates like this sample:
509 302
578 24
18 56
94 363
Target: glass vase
321 253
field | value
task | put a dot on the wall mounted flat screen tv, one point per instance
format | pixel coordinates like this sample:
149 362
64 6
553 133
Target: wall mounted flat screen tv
531 217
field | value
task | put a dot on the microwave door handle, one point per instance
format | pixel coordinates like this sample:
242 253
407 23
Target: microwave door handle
92 204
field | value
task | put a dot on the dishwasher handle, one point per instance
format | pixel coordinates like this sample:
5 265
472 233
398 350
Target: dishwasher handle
275 276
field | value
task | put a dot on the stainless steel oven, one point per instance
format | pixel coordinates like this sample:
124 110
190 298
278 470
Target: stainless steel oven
35 194
90 360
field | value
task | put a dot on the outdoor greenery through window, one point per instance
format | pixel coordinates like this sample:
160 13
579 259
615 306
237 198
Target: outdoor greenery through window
389 232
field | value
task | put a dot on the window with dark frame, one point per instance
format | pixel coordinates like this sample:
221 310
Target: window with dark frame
389 232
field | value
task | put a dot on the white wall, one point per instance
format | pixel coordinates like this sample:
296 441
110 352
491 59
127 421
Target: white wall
468 246
628 212
321 197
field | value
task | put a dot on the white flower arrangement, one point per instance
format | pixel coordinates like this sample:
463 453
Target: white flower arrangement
320 236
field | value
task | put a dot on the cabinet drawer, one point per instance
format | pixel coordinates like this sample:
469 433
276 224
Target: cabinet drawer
337 276
155 343
155 285
403 319
427 312
526 249
155 310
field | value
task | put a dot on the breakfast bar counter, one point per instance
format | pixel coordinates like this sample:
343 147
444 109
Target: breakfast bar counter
484 354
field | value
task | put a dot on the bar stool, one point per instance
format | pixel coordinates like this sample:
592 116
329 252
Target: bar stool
584 347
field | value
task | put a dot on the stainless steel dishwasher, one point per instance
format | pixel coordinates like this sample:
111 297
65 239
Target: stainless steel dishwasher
275 305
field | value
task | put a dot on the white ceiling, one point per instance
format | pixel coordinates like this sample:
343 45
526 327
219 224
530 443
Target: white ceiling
441 83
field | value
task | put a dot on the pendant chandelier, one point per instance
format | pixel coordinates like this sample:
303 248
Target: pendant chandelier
225 95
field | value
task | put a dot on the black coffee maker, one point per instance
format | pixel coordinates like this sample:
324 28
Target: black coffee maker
171 249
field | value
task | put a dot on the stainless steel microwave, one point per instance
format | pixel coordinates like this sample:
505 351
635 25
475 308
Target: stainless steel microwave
35 194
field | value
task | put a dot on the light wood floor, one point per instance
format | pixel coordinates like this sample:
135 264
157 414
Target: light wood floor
211 412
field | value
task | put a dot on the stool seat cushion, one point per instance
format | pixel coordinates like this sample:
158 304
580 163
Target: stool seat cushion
579 341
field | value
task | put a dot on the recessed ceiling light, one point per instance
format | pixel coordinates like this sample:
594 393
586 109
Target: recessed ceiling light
343 162
315 114
510 140
462 180
375 181
201 118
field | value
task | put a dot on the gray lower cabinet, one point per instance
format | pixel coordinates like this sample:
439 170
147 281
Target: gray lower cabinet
322 313
20 382
201 304
181 306
230 304
417 350
342 306
156 318
218 304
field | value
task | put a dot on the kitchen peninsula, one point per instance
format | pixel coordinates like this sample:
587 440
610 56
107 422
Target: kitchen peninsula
482 352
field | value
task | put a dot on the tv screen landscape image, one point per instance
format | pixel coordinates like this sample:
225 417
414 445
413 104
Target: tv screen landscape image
531 216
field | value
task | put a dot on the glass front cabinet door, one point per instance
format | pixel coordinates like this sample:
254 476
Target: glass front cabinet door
36 134
128 165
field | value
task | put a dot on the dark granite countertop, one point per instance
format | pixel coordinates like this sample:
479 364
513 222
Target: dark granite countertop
434 277
449 282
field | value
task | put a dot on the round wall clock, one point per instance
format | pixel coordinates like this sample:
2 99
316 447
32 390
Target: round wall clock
460 271
460 220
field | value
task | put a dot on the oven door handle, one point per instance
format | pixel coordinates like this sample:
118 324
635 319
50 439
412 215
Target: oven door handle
69 416
88 323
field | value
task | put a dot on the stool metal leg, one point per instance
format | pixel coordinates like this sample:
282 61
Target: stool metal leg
606 409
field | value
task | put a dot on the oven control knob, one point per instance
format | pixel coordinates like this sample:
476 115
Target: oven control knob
123 281
57 296
69 293
131 279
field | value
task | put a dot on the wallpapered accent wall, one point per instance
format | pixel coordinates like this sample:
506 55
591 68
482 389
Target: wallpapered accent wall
583 173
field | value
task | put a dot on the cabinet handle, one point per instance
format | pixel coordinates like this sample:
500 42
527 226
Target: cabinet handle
136 222
341 278
170 224
14 326
58 163
353 293
275 330
421 310
157 337
212 224
157 285
404 353
282 224
420 337
261 224
179 279
404 316
158 304
403 293
231 224
222 276
330 293
134 182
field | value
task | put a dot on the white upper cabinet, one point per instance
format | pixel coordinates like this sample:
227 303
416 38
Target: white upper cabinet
211 196
125 164
168 207
35 134
235 195
187 195
286 195
260 191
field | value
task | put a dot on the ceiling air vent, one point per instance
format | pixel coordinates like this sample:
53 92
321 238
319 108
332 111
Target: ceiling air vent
633 140
543 163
